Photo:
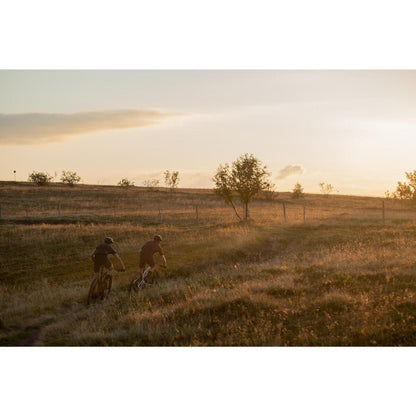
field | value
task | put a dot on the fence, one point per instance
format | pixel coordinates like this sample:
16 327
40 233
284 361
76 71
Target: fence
380 212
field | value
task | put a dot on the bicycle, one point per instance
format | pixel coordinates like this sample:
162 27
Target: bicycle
139 283
101 285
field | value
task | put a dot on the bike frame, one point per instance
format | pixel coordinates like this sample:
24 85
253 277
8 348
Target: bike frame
144 275
140 285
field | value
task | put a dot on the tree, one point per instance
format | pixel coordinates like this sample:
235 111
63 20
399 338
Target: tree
326 188
224 187
69 177
297 191
167 178
171 179
124 182
406 190
40 178
246 177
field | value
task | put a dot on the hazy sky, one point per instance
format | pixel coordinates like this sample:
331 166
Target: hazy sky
353 129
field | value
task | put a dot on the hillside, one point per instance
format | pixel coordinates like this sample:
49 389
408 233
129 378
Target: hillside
330 273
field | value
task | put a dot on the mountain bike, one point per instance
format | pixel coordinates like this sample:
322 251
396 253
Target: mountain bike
101 285
147 278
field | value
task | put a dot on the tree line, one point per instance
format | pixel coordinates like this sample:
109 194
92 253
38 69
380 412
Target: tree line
72 178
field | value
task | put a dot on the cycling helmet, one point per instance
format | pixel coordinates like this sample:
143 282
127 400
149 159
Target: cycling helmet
157 237
108 240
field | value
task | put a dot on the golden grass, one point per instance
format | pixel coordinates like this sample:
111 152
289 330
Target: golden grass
340 278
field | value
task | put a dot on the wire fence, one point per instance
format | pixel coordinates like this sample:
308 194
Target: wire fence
380 211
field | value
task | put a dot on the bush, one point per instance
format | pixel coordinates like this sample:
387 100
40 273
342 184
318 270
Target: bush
70 178
40 178
125 183
297 191
151 183
326 188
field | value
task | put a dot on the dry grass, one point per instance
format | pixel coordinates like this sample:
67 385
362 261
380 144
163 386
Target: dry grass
341 278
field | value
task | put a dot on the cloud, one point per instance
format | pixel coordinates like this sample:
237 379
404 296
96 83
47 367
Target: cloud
38 128
290 170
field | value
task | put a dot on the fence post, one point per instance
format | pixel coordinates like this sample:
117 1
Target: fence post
27 213
384 214
59 210
284 211
0 212
304 214
160 216
196 213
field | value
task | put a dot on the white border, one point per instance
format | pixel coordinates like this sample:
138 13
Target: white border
207 35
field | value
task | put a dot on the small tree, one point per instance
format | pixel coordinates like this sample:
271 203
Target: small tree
40 178
167 178
69 177
124 182
246 177
297 191
171 179
406 190
326 188
151 183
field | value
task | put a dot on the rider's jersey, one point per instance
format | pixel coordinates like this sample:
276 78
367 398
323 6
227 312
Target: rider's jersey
150 248
104 249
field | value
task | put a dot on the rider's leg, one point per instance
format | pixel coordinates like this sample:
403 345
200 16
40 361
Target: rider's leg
151 263
142 265
139 272
96 269
109 267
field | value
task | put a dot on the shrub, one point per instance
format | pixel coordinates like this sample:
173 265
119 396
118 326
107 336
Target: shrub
70 178
151 183
125 183
40 178
297 191
326 188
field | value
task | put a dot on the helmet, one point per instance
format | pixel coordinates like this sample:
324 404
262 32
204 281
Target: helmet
157 237
108 240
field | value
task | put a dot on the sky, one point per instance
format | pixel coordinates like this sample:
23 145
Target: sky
353 129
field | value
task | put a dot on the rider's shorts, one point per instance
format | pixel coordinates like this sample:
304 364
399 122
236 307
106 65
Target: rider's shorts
102 261
143 260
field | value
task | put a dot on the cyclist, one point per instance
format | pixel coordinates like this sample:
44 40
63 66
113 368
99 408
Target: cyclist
100 253
146 255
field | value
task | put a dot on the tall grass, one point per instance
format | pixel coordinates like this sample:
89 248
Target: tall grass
341 278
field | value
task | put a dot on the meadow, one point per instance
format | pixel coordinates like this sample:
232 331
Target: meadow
329 274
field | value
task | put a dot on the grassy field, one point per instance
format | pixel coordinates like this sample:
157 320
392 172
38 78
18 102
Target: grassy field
334 277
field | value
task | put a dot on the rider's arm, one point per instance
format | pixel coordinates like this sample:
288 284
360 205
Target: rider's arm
120 261
164 260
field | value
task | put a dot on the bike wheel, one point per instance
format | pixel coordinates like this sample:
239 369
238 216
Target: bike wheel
94 291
